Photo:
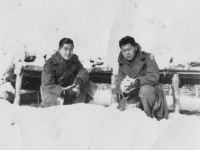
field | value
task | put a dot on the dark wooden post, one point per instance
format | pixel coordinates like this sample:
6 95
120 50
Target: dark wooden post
176 95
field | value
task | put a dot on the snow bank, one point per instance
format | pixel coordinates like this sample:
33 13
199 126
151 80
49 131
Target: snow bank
180 134
85 126
10 131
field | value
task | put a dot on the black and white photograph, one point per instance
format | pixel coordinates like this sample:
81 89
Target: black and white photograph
99 74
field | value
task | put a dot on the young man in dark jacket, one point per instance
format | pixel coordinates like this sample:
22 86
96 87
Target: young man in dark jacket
64 79
138 77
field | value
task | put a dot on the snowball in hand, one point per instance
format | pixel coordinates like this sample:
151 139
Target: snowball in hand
127 83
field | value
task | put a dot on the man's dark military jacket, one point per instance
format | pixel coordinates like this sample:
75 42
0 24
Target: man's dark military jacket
58 73
143 68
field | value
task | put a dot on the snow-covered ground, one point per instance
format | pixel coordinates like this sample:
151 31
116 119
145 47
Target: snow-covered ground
87 126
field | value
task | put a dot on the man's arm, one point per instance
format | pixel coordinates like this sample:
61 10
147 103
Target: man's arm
48 80
120 77
151 74
81 72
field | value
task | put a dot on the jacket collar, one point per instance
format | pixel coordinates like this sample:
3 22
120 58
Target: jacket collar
57 58
121 59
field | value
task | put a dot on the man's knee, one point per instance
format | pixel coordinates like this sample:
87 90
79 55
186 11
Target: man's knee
147 90
59 101
147 95
52 102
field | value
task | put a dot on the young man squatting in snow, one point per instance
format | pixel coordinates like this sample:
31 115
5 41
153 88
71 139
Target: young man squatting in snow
64 79
137 80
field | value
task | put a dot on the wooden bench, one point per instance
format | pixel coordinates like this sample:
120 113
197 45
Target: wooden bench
175 78
178 78
30 78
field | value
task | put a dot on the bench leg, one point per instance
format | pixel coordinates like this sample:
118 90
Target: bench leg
196 91
114 97
18 86
176 95
170 90
38 99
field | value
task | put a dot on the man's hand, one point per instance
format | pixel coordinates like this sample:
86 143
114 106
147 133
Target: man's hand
77 90
127 85
79 81
71 90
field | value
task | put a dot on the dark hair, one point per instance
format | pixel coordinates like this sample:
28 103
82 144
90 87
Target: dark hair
65 41
127 40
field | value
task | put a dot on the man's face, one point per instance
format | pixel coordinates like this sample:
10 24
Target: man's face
67 51
128 51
